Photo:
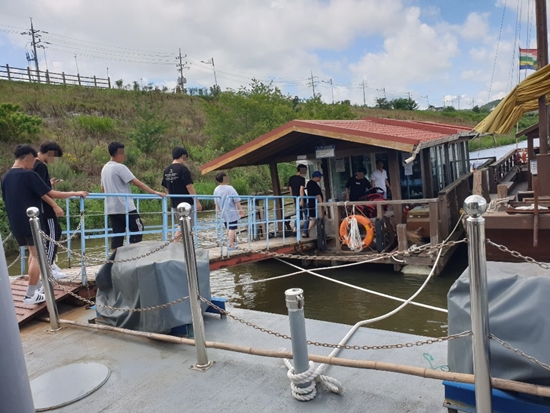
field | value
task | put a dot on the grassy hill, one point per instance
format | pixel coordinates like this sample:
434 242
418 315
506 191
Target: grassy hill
85 120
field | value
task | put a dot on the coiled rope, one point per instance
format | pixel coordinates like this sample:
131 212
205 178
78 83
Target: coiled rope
311 376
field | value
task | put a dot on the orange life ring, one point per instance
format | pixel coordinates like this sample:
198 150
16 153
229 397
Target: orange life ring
361 220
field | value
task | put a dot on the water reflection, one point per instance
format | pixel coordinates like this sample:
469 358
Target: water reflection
336 303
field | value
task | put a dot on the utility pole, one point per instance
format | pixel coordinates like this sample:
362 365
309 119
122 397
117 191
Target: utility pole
383 90
34 50
427 99
312 82
211 62
331 88
77 69
364 96
458 101
180 66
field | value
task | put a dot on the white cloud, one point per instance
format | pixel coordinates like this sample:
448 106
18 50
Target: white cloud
475 27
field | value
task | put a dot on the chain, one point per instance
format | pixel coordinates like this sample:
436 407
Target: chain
14 261
128 310
516 254
519 352
76 231
428 248
103 261
10 235
346 347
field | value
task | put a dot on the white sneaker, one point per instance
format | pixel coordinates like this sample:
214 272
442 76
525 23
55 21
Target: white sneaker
56 272
37 298
40 290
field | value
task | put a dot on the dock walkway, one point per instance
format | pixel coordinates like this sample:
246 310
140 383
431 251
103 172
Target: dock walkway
153 376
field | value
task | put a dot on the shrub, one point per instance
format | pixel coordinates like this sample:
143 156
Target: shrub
16 126
95 125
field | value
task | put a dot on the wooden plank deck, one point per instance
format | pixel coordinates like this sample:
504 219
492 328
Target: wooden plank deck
26 313
73 281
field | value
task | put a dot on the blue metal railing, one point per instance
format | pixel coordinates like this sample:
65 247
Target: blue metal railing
266 216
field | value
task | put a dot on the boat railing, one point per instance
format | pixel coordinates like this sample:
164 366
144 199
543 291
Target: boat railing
500 169
265 217
451 199
336 212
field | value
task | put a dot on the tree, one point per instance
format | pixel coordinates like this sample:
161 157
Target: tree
16 126
404 104
382 103
119 83
237 117
149 128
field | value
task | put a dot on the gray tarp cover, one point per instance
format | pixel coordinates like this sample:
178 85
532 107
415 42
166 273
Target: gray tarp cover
519 313
150 281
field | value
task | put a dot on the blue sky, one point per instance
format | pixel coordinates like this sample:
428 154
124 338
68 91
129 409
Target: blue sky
438 52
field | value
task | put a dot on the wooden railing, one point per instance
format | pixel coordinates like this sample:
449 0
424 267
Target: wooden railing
30 75
500 169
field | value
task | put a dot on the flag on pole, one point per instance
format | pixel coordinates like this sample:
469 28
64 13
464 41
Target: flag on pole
527 59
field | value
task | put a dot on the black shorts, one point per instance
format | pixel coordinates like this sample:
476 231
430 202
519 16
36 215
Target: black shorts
231 225
312 213
24 241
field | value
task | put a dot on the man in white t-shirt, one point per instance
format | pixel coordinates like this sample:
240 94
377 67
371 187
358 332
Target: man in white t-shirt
116 179
379 178
228 205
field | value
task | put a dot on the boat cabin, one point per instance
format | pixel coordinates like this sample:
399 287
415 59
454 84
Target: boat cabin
427 165
422 157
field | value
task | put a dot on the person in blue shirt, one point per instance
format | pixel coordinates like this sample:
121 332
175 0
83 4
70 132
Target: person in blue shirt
228 205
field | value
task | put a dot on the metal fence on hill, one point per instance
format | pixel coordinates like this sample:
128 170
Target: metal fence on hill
52 78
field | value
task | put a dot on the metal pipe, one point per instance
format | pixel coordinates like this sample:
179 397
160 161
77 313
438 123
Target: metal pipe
45 270
294 298
184 211
475 206
15 390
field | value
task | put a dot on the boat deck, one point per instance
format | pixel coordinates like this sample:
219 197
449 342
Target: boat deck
153 376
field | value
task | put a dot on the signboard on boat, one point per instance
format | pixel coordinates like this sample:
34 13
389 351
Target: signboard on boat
533 167
324 151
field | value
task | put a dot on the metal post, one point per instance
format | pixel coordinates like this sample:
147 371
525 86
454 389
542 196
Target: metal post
15 390
45 270
294 298
475 206
184 211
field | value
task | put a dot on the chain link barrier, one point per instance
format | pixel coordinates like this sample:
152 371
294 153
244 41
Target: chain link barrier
519 352
10 235
517 255
427 248
344 347
103 261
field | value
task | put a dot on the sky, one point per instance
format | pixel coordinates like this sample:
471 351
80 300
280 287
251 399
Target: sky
438 52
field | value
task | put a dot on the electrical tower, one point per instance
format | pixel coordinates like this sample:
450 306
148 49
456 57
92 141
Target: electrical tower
331 88
364 96
312 82
180 66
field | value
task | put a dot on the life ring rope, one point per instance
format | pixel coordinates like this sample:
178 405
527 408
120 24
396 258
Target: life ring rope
347 227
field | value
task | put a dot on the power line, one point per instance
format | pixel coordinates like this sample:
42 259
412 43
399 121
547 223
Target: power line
312 82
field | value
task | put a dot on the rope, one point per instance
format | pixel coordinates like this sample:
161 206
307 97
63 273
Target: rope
312 377
355 242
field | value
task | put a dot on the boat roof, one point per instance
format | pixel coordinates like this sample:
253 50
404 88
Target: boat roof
298 136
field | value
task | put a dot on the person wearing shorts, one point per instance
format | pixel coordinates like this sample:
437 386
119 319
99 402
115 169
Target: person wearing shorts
22 188
228 205
116 179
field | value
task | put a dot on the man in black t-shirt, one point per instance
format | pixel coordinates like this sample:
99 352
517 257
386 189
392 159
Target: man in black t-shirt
176 180
47 154
22 188
296 185
313 189
357 185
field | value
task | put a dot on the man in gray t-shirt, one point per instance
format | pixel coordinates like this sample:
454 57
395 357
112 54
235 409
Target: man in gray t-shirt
116 179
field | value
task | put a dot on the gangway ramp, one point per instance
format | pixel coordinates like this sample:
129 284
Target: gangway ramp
26 313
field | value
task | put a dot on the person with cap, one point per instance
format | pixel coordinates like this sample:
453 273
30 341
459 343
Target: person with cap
379 178
313 190
357 185
297 185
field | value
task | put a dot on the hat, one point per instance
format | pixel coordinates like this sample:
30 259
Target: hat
316 174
